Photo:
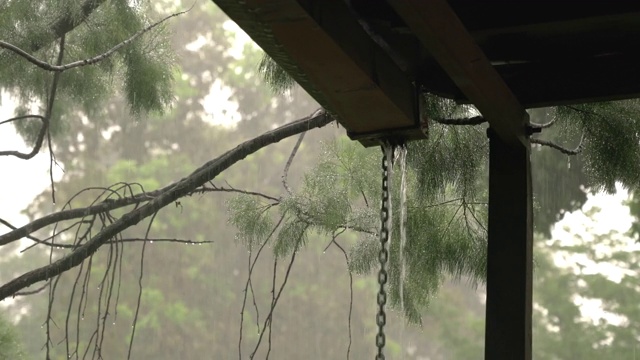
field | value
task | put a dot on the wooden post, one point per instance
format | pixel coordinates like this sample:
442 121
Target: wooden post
508 313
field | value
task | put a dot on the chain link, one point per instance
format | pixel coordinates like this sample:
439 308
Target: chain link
383 255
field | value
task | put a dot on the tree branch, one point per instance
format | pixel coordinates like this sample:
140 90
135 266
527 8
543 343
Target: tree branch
285 173
560 148
65 24
476 120
545 125
39 139
60 68
202 175
215 188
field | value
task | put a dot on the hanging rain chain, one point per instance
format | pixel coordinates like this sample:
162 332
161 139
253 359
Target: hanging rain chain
383 255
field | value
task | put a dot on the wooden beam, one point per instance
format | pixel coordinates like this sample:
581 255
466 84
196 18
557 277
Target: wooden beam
322 45
445 37
509 265
542 84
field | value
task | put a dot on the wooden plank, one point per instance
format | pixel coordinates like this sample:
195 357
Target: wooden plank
541 84
327 51
509 267
444 36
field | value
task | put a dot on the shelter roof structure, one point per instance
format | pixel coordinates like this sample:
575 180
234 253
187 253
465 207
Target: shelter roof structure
368 61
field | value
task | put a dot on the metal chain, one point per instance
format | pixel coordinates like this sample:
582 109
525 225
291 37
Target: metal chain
383 255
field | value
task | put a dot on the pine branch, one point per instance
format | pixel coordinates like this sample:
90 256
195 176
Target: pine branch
202 175
94 60
560 148
65 24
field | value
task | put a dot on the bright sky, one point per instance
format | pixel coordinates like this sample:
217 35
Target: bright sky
20 180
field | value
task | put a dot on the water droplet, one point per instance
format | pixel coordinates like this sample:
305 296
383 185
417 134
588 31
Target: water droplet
150 241
568 162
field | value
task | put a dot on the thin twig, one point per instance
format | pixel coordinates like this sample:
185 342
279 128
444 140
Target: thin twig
277 297
346 259
252 264
38 142
22 117
214 188
33 292
135 317
285 173
49 111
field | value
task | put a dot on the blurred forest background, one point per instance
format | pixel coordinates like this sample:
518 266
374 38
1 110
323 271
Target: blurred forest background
193 294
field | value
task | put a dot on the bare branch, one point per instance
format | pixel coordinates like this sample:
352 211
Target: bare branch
202 175
247 285
346 260
215 188
96 59
127 240
560 148
33 292
17 118
476 120
276 296
545 125
38 142
52 99
285 173
135 318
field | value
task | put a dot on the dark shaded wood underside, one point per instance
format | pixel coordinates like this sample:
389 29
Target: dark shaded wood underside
362 61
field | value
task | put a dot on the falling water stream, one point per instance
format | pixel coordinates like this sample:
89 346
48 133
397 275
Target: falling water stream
402 159
396 155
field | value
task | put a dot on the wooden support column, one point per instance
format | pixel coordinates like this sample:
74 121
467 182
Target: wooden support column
508 312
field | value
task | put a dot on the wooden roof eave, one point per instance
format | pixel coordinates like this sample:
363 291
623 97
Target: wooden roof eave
445 37
335 60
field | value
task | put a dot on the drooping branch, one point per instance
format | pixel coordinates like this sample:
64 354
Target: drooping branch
202 175
94 60
285 173
560 148
39 138
105 206
545 125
